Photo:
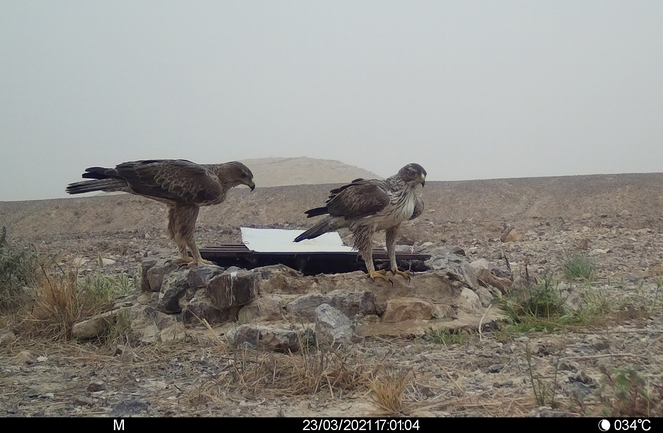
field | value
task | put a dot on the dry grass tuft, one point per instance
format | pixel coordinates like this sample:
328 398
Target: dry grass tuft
306 372
65 298
388 391
58 307
256 373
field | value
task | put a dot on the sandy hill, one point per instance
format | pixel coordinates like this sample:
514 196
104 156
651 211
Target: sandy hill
303 171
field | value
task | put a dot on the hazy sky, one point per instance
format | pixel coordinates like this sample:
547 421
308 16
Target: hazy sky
469 89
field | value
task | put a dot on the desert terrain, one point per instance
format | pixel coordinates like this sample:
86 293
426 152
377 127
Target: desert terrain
517 225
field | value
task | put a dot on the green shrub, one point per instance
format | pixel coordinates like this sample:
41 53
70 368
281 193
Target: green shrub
18 270
578 266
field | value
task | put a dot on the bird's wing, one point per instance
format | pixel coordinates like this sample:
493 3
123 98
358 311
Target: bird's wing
358 199
418 208
179 181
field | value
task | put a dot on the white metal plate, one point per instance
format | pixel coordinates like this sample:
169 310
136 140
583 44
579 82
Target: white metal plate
282 241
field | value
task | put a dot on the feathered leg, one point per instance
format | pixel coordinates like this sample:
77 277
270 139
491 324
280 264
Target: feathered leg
197 259
174 234
391 251
363 240
181 228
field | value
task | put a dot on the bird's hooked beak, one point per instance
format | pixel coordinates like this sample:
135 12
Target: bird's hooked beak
423 180
251 185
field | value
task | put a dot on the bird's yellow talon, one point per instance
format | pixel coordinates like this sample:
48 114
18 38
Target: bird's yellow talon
199 262
182 261
382 274
404 274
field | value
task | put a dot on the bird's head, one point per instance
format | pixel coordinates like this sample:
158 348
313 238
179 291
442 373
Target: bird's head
413 173
240 174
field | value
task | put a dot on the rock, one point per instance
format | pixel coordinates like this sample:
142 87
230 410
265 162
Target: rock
200 307
495 368
264 337
598 343
95 386
442 259
200 276
512 236
280 279
145 298
305 306
402 309
174 332
25 357
332 327
468 273
173 288
94 327
583 244
355 303
232 289
7 336
480 264
79 261
156 273
149 334
267 308
486 278
485 297
469 301
81 400
129 408
441 311
145 265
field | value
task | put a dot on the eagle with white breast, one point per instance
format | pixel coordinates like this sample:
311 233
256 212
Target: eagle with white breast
183 185
367 206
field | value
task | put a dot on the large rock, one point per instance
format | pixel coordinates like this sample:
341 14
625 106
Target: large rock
399 310
154 273
304 306
200 276
469 301
362 303
200 307
332 327
264 337
268 308
280 279
173 288
350 303
232 288
95 326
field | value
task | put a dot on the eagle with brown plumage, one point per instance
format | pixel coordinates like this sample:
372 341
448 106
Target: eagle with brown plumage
183 185
367 206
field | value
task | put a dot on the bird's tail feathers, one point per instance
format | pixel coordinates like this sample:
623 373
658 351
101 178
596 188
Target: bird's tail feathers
319 229
107 185
316 212
99 173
